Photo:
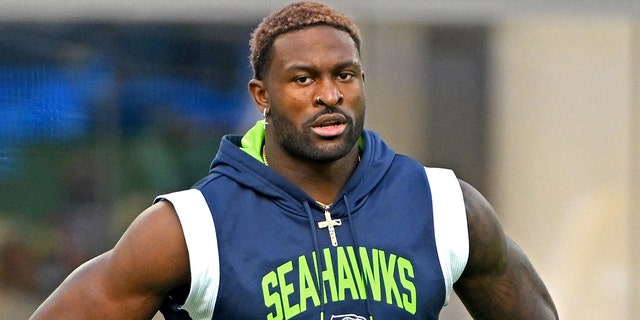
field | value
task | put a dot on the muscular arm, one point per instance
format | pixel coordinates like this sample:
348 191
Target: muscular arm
130 281
499 282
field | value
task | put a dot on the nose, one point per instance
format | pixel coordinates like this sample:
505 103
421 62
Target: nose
330 97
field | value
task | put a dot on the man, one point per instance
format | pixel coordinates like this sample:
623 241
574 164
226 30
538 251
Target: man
308 216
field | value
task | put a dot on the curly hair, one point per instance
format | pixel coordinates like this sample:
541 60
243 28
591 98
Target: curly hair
295 16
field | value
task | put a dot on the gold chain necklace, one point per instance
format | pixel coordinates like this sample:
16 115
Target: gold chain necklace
328 223
266 163
326 207
264 156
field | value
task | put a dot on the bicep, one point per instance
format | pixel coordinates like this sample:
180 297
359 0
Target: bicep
499 281
513 292
131 280
88 293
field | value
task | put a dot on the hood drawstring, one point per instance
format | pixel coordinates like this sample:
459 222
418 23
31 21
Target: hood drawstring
323 263
358 258
319 256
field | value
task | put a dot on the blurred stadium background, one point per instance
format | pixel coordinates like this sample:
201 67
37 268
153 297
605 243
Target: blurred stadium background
104 104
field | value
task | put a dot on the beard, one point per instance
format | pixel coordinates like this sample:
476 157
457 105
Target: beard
298 143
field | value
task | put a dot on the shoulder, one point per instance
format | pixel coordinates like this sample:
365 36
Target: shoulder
487 240
155 238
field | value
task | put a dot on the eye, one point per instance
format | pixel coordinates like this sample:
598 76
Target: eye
345 76
303 80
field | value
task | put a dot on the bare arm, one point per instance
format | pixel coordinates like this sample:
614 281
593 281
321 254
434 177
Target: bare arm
499 282
130 281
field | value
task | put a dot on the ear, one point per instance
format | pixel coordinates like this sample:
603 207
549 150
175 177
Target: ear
259 94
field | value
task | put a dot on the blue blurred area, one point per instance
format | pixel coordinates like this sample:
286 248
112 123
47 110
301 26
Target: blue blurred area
200 104
41 103
38 104
96 118
60 83
44 104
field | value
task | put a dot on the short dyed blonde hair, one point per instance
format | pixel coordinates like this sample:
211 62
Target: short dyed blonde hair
295 16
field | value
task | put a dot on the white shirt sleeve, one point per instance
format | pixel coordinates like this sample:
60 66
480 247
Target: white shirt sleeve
450 225
200 235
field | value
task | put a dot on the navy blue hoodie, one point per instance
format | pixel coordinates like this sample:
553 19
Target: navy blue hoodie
271 260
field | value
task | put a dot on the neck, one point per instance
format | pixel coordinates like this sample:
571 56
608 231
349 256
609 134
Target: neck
321 181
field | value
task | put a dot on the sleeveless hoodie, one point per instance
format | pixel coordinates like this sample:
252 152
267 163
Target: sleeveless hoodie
257 251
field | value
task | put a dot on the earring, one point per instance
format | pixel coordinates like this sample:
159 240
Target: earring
264 116
318 101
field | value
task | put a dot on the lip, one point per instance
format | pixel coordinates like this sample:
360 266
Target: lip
329 125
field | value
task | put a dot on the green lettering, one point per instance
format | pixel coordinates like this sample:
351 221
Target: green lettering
356 271
345 277
307 285
271 299
390 285
405 269
371 272
328 276
352 275
287 289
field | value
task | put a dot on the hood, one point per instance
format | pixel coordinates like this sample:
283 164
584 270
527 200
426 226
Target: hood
247 169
